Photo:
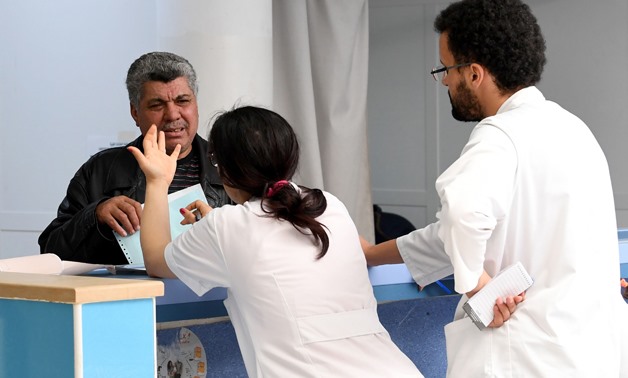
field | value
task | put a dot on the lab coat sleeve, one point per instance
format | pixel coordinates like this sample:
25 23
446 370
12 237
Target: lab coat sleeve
196 257
424 254
476 192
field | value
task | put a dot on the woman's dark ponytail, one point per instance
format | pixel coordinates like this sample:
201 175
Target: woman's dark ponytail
283 201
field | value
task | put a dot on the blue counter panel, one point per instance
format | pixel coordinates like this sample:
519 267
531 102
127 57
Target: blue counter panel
383 293
192 310
25 344
403 291
623 252
126 324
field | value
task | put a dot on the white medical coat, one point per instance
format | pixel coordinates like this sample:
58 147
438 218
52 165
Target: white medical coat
531 185
294 315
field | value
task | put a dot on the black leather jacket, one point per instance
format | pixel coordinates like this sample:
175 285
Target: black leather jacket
75 234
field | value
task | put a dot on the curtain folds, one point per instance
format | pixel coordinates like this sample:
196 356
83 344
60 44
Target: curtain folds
320 71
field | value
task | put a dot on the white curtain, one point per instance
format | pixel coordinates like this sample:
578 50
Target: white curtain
305 59
320 67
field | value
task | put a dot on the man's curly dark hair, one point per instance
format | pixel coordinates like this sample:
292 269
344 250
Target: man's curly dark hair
501 35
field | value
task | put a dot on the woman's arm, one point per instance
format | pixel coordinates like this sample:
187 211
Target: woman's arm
380 254
159 169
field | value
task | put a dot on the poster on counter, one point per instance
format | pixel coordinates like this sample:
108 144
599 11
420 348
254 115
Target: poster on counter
183 358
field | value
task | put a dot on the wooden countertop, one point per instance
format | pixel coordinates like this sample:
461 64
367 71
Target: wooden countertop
75 289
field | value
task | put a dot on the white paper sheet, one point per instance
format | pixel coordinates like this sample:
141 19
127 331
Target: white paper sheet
131 244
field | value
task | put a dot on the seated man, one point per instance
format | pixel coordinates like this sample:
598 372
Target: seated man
107 191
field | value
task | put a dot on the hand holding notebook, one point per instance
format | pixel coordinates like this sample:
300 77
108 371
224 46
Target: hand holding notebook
511 281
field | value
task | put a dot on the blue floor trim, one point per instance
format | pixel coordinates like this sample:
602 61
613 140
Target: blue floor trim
192 310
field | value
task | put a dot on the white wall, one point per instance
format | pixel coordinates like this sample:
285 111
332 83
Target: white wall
587 44
412 136
62 72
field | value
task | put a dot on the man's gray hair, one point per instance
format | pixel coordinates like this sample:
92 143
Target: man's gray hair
158 66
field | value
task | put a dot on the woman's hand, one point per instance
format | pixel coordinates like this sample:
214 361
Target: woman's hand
194 212
156 164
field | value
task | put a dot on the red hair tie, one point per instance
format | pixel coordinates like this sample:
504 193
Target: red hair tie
276 187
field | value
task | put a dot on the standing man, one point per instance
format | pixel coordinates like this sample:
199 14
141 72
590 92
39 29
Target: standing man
106 193
531 185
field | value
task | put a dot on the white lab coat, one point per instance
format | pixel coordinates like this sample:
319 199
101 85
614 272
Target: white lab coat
294 315
531 185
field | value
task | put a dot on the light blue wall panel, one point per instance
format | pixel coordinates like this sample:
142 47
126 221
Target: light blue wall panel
36 339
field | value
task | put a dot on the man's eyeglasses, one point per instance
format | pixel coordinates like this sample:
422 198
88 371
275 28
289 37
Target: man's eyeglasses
212 160
439 73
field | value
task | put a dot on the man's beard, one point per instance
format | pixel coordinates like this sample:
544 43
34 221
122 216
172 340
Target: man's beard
465 107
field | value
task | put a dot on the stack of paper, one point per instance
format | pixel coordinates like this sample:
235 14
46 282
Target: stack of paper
47 263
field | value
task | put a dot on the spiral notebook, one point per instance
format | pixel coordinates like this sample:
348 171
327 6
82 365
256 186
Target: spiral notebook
130 244
512 280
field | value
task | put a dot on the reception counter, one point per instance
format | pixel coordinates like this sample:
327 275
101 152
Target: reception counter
131 325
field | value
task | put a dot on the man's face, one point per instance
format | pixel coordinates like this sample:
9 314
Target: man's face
172 108
465 105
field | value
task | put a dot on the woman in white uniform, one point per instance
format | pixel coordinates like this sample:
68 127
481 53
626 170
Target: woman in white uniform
299 295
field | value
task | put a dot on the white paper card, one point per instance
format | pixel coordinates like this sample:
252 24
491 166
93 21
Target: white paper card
130 244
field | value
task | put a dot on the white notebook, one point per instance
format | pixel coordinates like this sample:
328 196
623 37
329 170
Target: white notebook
513 280
130 244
